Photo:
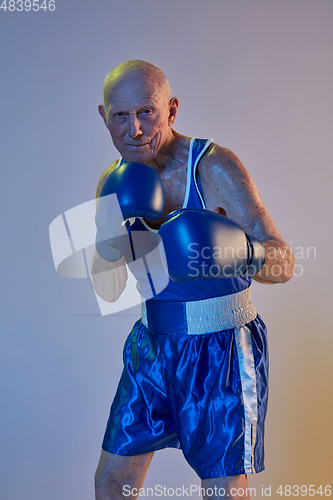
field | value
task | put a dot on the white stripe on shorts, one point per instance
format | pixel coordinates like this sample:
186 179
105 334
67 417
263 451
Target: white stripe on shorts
250 402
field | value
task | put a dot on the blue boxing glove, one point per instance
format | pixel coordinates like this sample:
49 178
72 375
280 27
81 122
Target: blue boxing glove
132 190
200 244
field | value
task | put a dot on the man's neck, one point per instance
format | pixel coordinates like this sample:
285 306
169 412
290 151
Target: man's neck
172 153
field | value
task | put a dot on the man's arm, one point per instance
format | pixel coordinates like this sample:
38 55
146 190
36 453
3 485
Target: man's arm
108 278
229 189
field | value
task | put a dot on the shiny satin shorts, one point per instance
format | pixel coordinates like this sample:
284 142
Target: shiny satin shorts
196 378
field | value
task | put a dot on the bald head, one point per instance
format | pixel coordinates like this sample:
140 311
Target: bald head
138 110
135 71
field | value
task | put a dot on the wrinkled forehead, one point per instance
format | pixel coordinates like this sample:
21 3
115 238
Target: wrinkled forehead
138 85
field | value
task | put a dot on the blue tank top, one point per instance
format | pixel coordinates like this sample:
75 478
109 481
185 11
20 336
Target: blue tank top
151 278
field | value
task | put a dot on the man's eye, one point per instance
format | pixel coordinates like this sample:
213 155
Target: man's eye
146 111
120 114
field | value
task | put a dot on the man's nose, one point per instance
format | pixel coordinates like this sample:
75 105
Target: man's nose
134 129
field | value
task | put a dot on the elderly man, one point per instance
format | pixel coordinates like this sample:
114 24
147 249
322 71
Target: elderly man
195 365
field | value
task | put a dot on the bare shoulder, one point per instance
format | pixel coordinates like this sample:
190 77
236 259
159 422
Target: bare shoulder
228 188
225 181
221 165
104 176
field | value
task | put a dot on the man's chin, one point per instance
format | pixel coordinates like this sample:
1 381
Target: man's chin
138 156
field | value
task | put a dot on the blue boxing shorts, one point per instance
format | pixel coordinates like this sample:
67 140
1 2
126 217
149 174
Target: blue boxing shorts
196 378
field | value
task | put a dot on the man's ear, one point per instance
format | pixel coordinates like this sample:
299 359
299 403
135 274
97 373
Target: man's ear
101 110
173 106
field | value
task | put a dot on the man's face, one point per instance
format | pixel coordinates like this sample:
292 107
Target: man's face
137 114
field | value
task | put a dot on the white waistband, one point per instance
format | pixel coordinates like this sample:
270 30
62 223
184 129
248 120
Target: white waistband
200 316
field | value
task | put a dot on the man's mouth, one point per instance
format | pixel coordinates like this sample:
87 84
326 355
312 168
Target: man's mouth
137 145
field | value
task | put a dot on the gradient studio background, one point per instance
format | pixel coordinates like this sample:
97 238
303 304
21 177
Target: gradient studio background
256 75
